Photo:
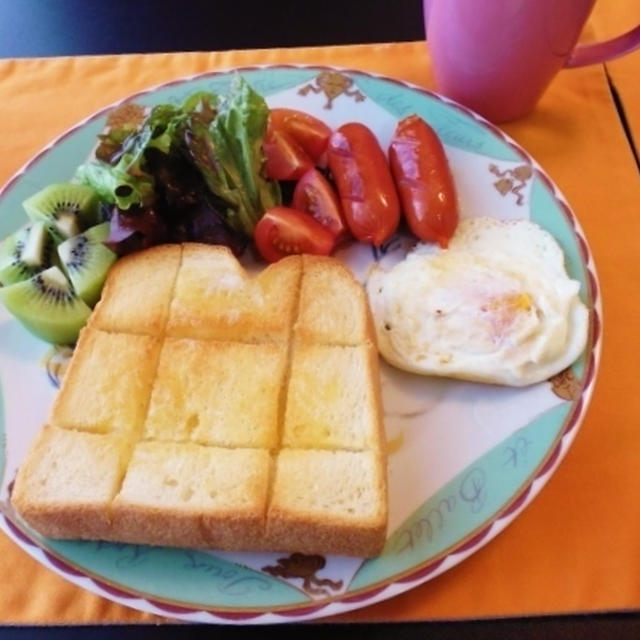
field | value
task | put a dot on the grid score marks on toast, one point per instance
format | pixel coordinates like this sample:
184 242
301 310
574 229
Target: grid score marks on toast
227 386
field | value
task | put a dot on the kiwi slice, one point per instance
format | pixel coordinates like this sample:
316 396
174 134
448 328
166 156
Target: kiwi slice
66 209
25 253
87 261
47 306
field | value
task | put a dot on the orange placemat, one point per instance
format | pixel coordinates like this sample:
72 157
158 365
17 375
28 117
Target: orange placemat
575 548
610 19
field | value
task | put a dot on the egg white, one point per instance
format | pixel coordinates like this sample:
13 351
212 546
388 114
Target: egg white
497 306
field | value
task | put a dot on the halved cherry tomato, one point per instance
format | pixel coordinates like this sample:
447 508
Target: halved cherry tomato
309 132
424 181
367 192
285 158
314 195
283 231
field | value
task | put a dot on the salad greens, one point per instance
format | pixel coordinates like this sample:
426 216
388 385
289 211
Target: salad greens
228 152
200 161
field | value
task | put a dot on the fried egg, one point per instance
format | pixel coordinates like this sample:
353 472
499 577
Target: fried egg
497 306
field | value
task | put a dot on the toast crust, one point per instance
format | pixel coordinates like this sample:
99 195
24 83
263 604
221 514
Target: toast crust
95 465
203 496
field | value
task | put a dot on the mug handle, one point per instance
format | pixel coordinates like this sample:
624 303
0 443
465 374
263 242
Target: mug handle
603 51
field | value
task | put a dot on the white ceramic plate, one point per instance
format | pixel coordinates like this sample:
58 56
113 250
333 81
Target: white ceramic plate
465 459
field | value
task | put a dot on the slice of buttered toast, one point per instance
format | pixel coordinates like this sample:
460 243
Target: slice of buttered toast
230 412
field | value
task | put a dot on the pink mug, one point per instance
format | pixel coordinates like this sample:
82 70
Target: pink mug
498 56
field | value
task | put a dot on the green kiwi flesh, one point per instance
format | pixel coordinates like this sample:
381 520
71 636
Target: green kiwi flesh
47 306
25 253
66 208
87 261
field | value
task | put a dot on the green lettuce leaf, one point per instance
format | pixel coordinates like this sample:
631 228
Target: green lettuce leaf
115 186
229 155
